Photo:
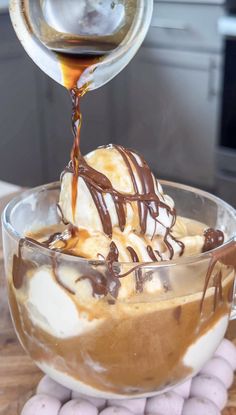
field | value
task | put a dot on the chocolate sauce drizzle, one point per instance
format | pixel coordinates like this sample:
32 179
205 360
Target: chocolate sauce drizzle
55 269
177 313
20 266
226 256
113 274
151 253
109 283
98 184
140 277
62 215
145 195
218 294
98 283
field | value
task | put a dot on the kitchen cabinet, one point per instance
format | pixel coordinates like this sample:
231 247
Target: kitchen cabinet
166 102
169 102
186 25
20 129
35 114
20 126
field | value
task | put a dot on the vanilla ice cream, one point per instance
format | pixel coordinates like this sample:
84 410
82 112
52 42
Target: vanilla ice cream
129 208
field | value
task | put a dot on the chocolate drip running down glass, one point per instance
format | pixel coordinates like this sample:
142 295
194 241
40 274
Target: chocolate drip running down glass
119 285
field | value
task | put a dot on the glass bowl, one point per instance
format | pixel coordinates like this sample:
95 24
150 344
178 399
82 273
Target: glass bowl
139 344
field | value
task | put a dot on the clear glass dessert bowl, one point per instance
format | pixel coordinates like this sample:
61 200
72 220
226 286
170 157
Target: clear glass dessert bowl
166 322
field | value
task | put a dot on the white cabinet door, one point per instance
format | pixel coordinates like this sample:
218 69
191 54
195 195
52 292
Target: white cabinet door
35 117
167 108
21 122
186 26
21 130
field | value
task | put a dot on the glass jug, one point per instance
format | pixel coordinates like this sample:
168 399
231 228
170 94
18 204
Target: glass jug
111 29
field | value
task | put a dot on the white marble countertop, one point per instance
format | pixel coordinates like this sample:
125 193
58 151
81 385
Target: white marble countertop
7 188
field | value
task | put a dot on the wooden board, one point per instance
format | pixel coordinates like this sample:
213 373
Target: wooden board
19 375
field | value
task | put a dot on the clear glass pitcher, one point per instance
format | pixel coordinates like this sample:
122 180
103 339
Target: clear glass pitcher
114 29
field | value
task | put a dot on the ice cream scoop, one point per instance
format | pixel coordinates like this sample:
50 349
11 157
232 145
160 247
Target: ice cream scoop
131 195
115 196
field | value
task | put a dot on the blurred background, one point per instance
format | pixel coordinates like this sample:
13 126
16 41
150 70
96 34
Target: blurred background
175 103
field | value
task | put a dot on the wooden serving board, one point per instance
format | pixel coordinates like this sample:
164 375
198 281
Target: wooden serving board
19 375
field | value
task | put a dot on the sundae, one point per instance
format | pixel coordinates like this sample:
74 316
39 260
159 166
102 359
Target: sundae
93 297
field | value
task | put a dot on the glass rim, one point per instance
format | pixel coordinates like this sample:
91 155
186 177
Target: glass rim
6 222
